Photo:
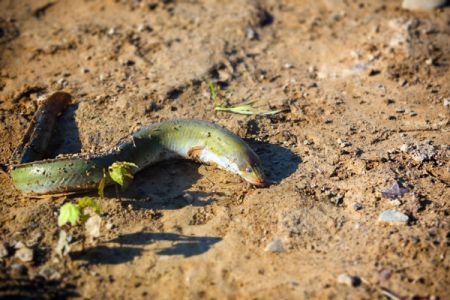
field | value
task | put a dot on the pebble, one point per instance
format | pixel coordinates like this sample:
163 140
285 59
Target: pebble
447 102
343 144
352 281
24 254
3 250
128 62
275 246
357 206
385 274
50 274
109 226
111 31
251 34
396 202
19 245
422 4
393 217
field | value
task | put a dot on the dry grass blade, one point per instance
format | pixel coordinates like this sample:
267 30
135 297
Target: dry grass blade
245 108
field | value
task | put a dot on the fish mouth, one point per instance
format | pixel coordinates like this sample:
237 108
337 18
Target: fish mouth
259 182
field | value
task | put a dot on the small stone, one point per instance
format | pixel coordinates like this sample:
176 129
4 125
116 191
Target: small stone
129 62
19 245
393 217
422 4
3 250
404 148
111 31
396 202
352 281
288 66
306 142
50 274
24 254
447 102
251 34
343 144
144 28
357 206
400 110
385 274
109 226
275 246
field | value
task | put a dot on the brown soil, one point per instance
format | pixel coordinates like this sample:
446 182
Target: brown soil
367 85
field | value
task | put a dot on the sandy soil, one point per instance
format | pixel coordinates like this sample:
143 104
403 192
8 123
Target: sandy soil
368 89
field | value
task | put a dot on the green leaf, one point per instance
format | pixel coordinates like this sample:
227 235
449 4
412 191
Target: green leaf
121 172
89 202
68 213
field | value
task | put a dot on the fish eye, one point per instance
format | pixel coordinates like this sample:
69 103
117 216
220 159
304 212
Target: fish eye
248 170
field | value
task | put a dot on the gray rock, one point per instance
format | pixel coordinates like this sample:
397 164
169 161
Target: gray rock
420 151
357 206
422 4
24 254
251 34
275 246
352 281
393 217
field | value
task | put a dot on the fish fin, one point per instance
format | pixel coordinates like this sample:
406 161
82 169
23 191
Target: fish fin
195 152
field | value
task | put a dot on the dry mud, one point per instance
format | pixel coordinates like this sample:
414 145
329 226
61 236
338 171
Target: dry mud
367 86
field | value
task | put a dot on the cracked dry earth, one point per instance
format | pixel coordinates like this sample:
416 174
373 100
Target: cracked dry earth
368 90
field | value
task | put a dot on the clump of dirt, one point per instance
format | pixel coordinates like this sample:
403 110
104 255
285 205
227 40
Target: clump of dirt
367 87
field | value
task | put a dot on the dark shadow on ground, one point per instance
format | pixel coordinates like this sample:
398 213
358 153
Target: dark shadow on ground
66 137
37 288
278 162
183 244
163 186
132 246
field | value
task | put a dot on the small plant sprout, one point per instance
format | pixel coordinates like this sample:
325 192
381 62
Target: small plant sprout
75 214
121 172
245 108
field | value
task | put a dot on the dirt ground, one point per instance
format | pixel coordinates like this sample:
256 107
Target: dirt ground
367 85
